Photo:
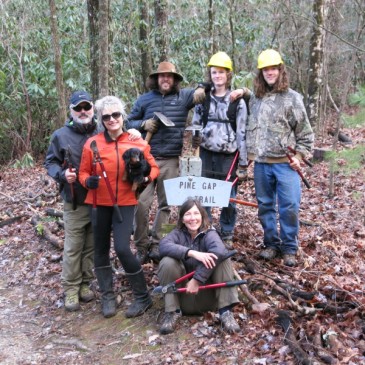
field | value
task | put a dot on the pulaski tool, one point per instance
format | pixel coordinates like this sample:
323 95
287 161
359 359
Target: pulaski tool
163 119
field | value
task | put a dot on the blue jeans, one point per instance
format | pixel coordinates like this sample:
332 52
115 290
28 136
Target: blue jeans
216 166
278 190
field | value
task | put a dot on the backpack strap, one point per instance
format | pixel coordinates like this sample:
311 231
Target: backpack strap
231 112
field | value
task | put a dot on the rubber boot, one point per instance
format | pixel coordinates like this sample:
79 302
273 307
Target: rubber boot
105 281
142 300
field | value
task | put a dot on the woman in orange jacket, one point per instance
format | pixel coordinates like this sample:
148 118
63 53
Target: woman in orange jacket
113 205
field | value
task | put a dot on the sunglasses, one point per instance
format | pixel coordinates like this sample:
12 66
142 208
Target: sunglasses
108 117
86 107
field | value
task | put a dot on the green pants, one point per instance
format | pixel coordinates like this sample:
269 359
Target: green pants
206 300
78 251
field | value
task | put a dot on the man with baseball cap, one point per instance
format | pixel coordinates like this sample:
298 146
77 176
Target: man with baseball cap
62 164
165 96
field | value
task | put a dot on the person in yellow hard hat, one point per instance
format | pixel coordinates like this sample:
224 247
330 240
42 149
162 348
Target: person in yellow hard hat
277 119
223 134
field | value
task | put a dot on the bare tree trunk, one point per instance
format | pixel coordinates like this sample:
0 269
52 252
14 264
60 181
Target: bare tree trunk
315 80
103 26
211 29
93 16
346 85
27 144
161 28
231 28
146 60
62 112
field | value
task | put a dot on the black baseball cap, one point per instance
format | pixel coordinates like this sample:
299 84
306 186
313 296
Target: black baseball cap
78 97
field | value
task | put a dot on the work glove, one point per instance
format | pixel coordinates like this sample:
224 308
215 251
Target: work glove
243 92
199 95
150 125
196 141
92 182
241 173
200 92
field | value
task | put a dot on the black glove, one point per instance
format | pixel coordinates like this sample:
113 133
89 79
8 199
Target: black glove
92 182
196 141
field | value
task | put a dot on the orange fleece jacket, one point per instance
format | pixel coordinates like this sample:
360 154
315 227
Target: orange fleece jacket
111 153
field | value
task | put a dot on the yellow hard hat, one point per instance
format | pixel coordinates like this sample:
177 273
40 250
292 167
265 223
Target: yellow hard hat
269 57
221 59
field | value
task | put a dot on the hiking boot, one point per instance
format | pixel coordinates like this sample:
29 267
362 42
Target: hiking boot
86 294
169 322
229 323
142 300
289 260
154 253
268 253
72 302
142 255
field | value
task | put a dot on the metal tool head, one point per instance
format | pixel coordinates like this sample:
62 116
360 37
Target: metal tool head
94 146
164 120
163 289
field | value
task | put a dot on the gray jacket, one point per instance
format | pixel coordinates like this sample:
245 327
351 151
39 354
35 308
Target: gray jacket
218 134
73 137
178 242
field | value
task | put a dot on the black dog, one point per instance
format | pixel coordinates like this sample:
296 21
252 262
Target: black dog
136 169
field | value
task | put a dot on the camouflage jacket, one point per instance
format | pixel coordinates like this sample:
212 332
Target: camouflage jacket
218 134
276 120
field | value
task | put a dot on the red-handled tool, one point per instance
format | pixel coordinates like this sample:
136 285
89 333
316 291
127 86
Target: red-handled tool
307 162
305 181
98 159
171 287
94 208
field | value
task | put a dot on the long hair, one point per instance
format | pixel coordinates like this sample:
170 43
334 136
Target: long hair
102 103
281 85
152 84
187 205
208 77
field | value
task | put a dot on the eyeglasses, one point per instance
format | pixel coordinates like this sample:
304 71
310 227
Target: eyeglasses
107 117
86 107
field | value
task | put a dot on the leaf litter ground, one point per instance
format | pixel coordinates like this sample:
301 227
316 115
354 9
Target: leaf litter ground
322 299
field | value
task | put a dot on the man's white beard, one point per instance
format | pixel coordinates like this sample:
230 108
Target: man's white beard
83 121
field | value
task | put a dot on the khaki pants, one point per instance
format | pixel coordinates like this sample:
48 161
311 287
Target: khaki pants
206 300
169 169
78 251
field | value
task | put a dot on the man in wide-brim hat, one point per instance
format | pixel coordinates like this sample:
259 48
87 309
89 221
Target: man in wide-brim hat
165 96
166 67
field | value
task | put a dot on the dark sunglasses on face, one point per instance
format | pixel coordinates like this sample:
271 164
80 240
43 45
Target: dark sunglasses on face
86 107
107 117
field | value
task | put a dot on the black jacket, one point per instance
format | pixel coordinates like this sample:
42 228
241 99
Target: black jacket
167 141
178 242
71 136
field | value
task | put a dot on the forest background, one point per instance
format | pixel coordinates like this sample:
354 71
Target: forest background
50 48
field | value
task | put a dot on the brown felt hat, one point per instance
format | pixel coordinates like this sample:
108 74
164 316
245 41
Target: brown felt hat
166 67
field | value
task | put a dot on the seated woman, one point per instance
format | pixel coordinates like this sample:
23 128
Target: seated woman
194 245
